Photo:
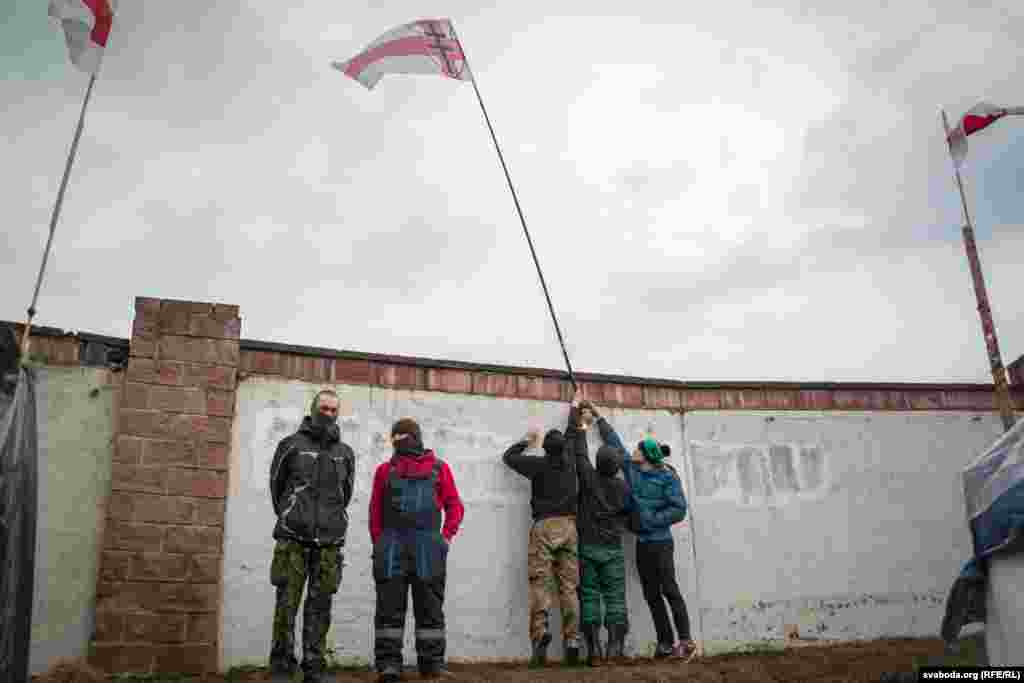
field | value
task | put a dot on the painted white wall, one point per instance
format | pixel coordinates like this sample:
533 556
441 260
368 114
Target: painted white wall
75 416
851 525
1004 629
485 603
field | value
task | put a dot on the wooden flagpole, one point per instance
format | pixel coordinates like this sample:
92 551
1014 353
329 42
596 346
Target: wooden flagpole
53 220
1002 388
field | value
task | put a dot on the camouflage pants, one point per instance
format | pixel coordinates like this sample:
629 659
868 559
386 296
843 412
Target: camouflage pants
318 570
553 566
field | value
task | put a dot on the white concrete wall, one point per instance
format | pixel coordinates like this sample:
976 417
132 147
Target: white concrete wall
1004 607
486 592
75 413
850 525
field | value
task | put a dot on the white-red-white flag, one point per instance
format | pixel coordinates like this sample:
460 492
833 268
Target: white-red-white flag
427 46
978 117
86 25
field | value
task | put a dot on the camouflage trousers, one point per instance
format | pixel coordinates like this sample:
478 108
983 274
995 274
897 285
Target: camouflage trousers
553 567
294 567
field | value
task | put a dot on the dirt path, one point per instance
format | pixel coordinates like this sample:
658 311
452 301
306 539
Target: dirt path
848 662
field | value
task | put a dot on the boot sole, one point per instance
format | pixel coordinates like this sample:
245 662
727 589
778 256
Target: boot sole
537 662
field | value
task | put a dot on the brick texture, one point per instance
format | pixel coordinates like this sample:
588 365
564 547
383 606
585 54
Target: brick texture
160 578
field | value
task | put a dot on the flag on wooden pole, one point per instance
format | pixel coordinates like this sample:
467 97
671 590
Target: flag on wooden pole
978 117
430 46
86 25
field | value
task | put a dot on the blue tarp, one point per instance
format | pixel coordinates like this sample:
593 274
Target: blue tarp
18 493
994 500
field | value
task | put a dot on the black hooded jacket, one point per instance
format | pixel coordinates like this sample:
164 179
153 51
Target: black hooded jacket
603 496
311 480
553 487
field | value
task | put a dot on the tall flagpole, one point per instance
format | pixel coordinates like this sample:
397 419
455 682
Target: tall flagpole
53 220
1003 399
519 210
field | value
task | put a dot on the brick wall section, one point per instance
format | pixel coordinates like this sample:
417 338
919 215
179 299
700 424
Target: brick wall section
320 369
159 587
56 350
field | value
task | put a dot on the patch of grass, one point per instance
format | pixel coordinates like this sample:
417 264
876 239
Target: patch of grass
350 663
236 672
761 648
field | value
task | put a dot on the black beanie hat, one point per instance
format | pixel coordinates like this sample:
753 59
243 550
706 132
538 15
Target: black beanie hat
409 426
554 442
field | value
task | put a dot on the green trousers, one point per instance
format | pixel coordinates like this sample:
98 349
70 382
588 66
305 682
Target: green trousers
604 578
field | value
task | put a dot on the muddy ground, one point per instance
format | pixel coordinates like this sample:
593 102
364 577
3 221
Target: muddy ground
851 662
846 662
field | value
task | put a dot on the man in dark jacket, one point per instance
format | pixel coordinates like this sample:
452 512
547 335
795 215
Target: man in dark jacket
601 523
311 479
410 550
553 561
655 503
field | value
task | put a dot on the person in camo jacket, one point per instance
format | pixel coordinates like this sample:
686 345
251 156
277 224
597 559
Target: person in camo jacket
553 560
311 481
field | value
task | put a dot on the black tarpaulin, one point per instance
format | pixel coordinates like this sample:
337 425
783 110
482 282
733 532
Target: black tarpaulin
18 493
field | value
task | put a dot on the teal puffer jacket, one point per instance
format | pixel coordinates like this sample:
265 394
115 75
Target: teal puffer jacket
656 500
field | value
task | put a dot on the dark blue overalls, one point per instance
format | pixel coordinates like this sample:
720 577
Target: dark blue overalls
410 553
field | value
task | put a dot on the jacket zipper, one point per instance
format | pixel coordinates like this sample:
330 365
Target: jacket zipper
316 499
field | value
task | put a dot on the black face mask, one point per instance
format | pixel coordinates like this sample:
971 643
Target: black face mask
324 421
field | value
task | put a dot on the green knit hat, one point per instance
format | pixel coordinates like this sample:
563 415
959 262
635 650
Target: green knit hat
651 451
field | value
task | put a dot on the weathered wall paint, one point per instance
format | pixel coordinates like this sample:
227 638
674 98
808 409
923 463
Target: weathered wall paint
486 590
76 428
1004 630
849 525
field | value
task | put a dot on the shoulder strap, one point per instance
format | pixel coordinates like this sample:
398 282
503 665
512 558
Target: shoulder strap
435 471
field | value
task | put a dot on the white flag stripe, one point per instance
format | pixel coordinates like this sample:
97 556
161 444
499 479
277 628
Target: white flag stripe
86 25
421 47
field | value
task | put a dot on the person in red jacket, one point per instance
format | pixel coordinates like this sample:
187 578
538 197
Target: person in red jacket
410 550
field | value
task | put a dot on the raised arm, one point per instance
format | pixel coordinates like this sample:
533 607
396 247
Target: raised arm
527 465
610 437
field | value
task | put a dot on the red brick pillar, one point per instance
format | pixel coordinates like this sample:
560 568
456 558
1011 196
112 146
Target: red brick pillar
160 583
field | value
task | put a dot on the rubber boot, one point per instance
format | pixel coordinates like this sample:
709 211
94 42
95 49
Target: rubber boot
540 650
572 653
616 641
282 671
592 637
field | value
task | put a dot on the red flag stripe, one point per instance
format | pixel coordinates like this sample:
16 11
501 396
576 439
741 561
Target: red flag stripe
104 20
400 47
972 123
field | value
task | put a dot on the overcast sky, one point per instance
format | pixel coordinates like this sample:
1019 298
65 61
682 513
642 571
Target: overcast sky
715 192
